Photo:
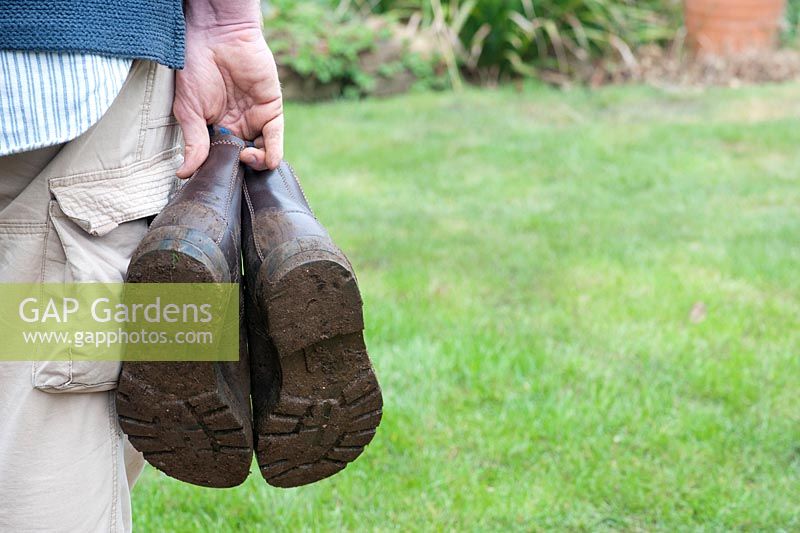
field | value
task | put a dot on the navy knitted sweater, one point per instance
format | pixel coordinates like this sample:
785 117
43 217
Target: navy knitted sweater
147 29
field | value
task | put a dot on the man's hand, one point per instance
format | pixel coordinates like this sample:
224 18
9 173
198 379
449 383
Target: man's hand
230 80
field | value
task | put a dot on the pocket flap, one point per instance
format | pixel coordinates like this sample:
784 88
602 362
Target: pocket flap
100 201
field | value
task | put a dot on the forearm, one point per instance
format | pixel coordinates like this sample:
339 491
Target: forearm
210 14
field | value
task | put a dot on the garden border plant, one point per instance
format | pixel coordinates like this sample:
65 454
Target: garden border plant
496 39
324 53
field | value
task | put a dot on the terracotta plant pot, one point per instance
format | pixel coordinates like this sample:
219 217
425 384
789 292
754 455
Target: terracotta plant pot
727 27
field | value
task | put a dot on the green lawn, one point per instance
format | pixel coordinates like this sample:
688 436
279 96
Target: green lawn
529 262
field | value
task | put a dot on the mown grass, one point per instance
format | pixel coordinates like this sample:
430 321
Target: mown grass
530 262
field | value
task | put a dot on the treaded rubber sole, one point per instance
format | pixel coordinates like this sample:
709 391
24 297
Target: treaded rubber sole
180 416
328 403
191 420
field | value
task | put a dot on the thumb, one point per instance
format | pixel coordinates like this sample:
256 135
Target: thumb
195 138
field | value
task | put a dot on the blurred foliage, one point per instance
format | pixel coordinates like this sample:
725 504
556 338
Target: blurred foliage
486 40
500 37
792 26
336 49
315 42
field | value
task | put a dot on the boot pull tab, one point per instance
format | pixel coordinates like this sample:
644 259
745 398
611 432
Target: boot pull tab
219 130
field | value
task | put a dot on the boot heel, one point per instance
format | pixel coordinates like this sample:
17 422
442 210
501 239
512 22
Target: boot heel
310 294
178 254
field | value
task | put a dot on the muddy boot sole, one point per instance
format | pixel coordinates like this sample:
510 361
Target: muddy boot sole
191 420
327 403
191 432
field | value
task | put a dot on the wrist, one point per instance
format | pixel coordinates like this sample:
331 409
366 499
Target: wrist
209 15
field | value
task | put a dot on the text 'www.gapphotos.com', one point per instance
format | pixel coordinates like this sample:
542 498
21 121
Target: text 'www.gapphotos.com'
79 339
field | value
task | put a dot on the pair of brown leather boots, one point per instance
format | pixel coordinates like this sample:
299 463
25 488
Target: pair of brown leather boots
315 400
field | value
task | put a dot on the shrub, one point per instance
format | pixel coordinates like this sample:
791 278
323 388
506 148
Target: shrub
523 36
324 53
791 33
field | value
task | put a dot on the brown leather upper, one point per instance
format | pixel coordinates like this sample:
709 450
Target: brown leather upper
210 201
276 210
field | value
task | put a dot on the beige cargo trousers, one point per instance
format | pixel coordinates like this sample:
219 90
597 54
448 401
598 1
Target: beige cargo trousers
75 213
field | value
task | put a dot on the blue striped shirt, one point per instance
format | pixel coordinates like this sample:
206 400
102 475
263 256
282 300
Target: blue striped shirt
48 98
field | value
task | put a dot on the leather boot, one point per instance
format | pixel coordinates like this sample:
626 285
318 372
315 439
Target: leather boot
192 420
316 400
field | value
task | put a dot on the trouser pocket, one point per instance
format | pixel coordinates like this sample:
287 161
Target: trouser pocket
85 208
88 258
